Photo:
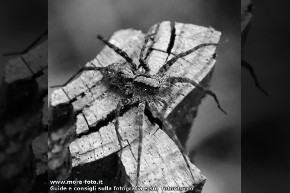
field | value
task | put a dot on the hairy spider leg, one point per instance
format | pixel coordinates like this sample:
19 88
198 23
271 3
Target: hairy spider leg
165 103
170 62
159 50
82 69
119 51
141 59
29 47
121 103
249 67
140 118
173 80
167 128
118 109
179 79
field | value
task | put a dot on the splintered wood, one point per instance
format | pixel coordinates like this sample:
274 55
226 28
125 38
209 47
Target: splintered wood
162 164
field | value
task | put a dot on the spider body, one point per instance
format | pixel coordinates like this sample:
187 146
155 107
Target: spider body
138 86
131 83
144 86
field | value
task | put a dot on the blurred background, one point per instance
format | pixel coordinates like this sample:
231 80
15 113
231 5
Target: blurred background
74 24
265 120
21 22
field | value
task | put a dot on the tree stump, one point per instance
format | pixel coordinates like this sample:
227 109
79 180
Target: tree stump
23 121
83 142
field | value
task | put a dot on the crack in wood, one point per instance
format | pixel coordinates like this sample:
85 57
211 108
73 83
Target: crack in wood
98 103
24 120
172 38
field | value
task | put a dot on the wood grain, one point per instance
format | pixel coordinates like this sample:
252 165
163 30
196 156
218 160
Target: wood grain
24 122
93 103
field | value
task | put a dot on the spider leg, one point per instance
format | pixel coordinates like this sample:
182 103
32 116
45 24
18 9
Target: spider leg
140 119
141 59
249 67
159 50
118 51
121 104
173 80
118 109
170 62
165 103
35 42
82 69
167 128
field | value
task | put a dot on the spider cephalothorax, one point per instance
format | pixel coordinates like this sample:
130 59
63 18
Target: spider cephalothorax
129 82
140 87
135 84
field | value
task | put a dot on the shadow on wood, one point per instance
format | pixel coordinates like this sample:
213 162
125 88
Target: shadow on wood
90 137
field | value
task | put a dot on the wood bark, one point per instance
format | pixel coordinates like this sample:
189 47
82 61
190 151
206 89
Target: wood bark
82 135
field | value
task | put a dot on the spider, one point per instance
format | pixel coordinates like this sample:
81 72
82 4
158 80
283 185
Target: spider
30 46
247 10
251 70
140 88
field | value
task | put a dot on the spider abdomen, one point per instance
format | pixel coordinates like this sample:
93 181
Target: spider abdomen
147 81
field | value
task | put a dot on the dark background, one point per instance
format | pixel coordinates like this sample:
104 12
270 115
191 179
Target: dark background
20 23
74 24
265 120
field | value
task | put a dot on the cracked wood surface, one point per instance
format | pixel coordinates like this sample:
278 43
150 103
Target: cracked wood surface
24 122
94 102
28 65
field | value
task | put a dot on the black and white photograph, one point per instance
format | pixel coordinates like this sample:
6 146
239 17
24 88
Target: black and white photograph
138 96
145 95
23 96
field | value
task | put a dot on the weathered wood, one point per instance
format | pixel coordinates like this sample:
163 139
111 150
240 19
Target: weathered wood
25 66
94 102
23 122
